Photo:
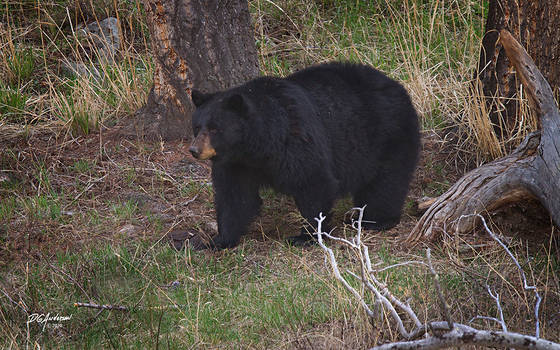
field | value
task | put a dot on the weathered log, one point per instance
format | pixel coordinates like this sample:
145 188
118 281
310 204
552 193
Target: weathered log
421 205
532 170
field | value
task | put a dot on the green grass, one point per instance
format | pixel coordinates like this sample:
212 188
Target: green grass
125 210
256 296
12 104
7 208
41 207
31 61
21 65
82 166
193 188
216 301
71 113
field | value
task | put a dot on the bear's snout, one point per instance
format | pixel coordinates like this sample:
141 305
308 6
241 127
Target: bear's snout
201 147
194 151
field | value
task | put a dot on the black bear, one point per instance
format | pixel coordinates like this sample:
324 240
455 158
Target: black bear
317 135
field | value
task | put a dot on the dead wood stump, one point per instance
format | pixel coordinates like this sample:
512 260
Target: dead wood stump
532 170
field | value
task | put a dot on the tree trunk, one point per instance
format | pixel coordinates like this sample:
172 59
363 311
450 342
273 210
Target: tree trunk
532 170
536 24
205 44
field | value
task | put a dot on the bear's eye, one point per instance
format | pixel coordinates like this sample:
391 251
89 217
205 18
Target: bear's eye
212 130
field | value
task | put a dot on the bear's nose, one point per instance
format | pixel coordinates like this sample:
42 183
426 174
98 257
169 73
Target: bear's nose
194 151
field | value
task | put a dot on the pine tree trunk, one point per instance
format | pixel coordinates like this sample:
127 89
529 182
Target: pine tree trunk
205 44
536 25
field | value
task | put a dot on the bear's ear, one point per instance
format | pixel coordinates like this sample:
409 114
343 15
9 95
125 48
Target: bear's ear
236 103
199 97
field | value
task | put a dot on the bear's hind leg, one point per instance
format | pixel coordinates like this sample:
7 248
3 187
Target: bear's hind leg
315 199
384 198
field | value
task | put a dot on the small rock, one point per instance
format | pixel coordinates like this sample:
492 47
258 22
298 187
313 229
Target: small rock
212 225
129 229
178 237
104 36
81 70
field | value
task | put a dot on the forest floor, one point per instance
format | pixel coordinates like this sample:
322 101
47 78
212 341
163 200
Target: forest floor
85 213
94 228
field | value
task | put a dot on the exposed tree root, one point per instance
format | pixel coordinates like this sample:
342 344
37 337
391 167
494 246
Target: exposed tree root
532 170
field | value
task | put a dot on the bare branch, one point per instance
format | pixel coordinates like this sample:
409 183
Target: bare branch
496 298
420 330
440 334
124 308
341 240
384 296
102 307
525 285
443 304
405 263
404 307
460 336
335 269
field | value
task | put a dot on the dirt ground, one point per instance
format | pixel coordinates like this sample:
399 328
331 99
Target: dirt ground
164 180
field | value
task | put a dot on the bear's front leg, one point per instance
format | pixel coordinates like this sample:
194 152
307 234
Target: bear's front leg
237 202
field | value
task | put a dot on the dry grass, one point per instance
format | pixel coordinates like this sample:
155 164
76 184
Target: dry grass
431 47
103 91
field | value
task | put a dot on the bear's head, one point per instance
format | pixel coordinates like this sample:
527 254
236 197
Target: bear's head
218 123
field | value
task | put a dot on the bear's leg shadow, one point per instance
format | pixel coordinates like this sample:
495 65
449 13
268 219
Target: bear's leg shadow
384 198
237 203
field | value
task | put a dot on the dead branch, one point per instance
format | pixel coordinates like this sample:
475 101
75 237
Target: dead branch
383 296
501 320
524 278
436 335
443 304
102 307
335 269
125 308
464 335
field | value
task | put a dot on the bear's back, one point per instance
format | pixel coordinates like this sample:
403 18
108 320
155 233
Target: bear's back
369 119
349 119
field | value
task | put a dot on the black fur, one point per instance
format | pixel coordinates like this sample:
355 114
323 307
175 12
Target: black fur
316 135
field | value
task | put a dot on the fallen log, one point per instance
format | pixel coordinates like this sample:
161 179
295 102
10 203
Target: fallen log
532 170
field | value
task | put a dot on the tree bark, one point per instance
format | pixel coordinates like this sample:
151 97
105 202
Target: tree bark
536 24
205 44
532 170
